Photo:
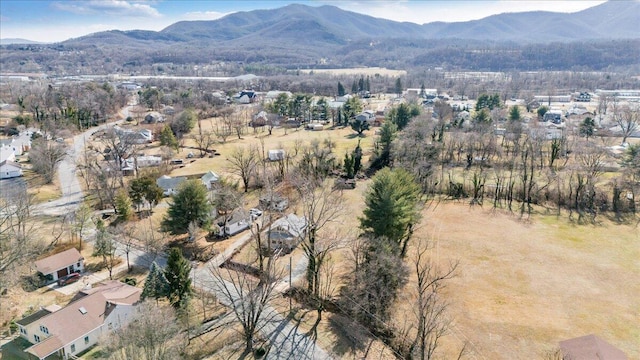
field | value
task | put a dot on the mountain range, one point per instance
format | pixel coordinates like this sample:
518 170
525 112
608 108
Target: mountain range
332 25
296 35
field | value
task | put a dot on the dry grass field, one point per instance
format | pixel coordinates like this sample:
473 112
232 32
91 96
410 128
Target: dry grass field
522 286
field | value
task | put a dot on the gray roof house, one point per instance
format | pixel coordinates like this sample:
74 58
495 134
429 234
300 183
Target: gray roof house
286 232
209 179
170 184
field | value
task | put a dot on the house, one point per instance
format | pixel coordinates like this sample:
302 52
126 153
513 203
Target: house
245 97
286 232
590 347
262 119
273 202
10 169
132 164
67 331
170 185
60 264
554 116
229 226
583 97
134 137
276 155
368 115
7 153
209 179
153 117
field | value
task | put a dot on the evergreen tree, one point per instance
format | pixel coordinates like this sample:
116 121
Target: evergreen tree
348 166
398 87
514 113
341 91
357 158
359 126
367 84
391 207
156 285
587 127
123 205
541 111
189 204
178 280
354 87
167 138
144 188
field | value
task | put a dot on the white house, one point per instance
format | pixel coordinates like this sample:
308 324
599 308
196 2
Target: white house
209 179
7 153
10 169
229 226
64 263
76 327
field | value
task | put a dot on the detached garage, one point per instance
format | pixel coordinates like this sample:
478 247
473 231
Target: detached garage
60 264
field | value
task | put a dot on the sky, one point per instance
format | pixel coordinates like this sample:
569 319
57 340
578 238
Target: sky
58 20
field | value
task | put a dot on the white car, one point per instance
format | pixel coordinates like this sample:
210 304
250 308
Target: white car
255 213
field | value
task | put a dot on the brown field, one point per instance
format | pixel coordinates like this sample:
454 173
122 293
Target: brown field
522 286
369 71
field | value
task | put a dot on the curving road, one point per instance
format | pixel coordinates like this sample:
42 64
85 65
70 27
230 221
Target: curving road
72 193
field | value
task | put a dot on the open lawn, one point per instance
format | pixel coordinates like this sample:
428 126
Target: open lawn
522 286
369 71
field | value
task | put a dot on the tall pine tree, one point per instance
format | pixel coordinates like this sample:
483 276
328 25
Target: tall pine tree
178 280
156 285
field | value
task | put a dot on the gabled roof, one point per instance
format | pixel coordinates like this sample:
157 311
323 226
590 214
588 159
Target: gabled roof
82 316
7 162
293 224
590 347
58 261
210 177
167 182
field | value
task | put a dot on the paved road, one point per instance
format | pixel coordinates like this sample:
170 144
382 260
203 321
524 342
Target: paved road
72 194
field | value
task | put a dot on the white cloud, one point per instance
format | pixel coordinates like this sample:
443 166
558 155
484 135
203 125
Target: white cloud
420 12
107 7
203 15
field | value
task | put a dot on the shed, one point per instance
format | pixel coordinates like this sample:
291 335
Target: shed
590 347
276 155
60 264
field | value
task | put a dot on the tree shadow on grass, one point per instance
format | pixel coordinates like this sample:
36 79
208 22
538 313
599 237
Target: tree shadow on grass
349 335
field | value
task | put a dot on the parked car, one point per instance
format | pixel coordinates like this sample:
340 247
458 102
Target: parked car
68 279
255 213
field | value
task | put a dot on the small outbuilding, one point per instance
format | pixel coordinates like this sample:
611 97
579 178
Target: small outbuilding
209 179
61 264
590 347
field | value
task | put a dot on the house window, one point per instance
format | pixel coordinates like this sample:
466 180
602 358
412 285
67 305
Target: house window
86 340
36 338
78 265
44 329
73 348
23 331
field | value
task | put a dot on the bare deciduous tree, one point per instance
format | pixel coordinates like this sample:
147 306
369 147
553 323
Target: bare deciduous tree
248 298
152 333
628 118
243 162
18 243
422 336
45 156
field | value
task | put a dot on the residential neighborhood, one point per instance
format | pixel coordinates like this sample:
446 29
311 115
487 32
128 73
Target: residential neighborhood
311 182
